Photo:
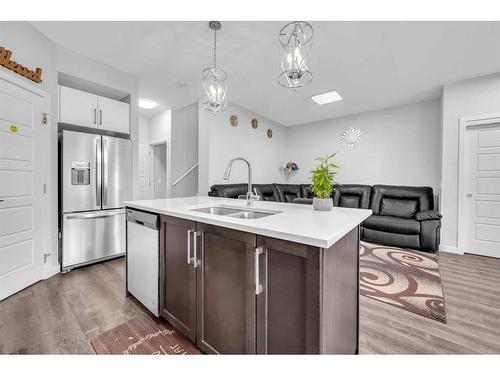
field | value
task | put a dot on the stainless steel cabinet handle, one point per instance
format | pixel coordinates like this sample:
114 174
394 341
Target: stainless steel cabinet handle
195 250
95 116
100 117
258 287
189 232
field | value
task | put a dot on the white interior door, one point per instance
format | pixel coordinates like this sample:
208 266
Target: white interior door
143 190
481 200
21 181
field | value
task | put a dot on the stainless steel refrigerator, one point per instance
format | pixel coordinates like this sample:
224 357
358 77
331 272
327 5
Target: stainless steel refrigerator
95 178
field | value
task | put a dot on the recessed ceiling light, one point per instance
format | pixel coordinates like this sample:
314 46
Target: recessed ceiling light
327 97
147 103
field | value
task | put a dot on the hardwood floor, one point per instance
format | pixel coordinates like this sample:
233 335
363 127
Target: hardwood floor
471 286
61 314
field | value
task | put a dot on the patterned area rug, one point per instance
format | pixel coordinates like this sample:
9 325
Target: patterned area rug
143 336
408 279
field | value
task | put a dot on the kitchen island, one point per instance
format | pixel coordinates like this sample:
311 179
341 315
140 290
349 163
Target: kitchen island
275 278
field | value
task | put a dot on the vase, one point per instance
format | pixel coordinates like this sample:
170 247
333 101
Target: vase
322 204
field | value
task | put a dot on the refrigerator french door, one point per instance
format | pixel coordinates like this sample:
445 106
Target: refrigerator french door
95 180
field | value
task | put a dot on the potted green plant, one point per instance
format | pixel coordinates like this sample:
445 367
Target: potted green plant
322 183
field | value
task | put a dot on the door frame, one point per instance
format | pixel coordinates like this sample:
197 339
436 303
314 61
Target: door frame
465 123
48 248
152 168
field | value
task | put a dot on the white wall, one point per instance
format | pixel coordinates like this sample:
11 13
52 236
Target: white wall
399 146
143 136
220 142
160 127
31 48
184 150
466 98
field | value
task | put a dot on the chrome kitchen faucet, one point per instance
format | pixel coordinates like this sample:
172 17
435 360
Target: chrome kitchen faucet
251 195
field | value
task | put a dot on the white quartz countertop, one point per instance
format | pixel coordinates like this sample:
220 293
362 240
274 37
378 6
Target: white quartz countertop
295 222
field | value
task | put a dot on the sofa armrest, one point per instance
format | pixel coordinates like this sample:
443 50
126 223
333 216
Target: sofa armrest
428 215
430 235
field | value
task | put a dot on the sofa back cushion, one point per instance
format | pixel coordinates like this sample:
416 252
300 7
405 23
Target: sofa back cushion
352 196
288 192
401 201
404 208
228 190
267 192
305 190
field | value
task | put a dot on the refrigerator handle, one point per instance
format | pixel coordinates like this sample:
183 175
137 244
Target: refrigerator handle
98 172
105 171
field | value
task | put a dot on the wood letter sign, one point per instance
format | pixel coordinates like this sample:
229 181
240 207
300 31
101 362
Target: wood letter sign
5 54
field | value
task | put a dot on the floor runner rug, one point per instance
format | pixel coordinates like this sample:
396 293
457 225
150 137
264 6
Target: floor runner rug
143 335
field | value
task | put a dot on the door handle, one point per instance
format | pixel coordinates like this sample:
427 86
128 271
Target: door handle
196 263
468 195
95 216
189 232
95 116
258 287
100 117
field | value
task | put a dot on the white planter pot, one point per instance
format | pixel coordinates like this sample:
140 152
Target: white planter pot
323 204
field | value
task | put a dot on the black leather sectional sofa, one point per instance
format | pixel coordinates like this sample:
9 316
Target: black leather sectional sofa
403 216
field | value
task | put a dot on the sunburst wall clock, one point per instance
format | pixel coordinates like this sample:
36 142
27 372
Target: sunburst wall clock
351 137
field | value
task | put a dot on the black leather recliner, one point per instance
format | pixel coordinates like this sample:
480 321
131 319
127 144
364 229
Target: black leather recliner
402 215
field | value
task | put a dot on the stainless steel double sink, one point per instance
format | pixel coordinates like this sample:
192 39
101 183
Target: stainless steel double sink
237 212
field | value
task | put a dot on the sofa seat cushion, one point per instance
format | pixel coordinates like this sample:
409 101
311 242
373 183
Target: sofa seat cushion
392 224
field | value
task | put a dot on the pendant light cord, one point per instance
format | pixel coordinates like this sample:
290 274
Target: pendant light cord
215 48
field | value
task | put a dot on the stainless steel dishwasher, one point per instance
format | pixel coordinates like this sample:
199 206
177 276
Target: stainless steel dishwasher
143 260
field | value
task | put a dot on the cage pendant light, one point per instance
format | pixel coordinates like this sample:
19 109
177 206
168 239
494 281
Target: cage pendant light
296 41
214 80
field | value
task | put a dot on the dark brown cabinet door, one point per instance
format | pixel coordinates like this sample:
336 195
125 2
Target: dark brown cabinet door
178 278
226 291
288 306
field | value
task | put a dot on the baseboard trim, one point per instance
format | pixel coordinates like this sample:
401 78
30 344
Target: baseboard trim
450 249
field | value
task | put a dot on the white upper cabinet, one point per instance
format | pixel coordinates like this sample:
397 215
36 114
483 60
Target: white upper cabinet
77 107
84 109
114 115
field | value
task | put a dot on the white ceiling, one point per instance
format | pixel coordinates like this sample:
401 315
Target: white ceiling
371 64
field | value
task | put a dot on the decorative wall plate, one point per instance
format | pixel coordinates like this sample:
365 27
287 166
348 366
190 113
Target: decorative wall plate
269 133
351 137
233 120
255 123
